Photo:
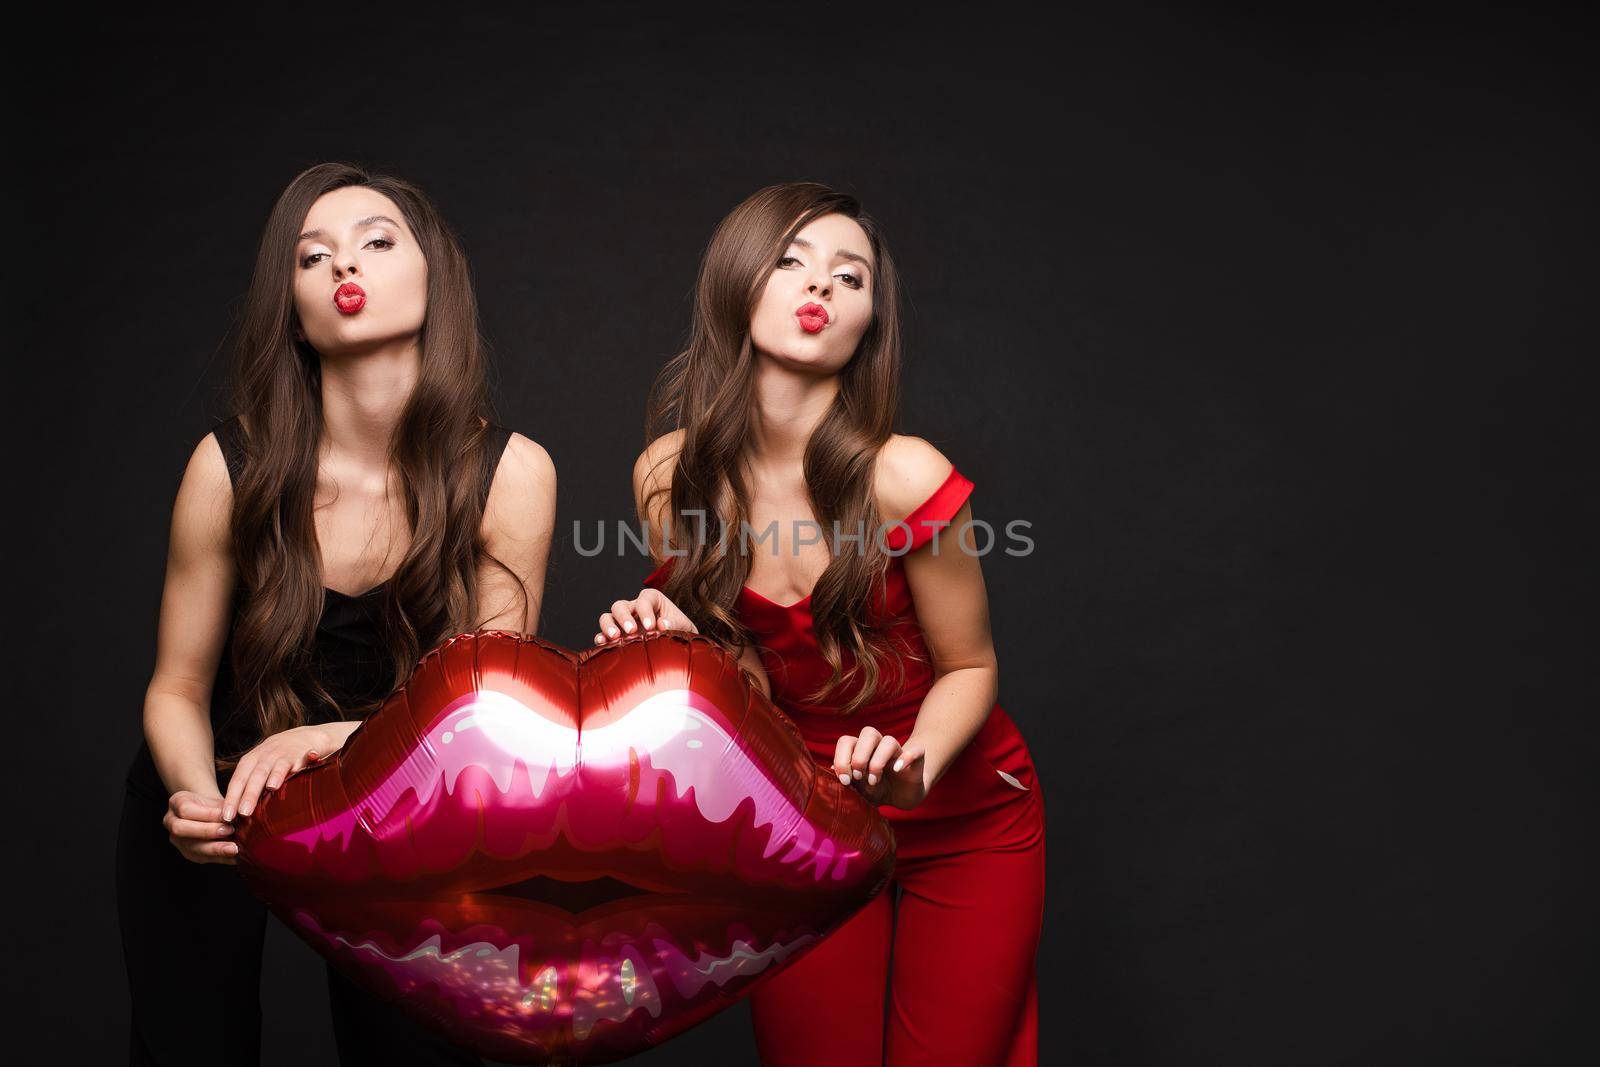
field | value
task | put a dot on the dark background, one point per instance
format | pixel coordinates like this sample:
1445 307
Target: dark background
1267 321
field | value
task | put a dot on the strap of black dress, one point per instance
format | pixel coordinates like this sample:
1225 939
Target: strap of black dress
230 435
493 448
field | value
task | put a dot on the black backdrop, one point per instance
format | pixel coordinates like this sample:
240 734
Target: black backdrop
1266 322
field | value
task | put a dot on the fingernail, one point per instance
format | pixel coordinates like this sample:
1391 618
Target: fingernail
226 829
856 775
872 779
628 626
612 631
899 763
844 779
227 814
244 809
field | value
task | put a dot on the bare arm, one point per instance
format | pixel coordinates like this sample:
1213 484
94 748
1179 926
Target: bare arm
953 612
193 625
966 673
518 524
196 597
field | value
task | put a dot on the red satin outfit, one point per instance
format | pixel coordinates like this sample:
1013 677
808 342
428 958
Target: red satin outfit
939 969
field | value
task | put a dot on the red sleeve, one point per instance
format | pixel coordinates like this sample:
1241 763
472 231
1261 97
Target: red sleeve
658 577
930 516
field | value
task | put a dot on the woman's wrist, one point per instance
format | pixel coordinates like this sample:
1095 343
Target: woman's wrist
332 735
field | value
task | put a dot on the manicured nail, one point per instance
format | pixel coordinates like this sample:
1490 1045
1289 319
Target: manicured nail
899 763
225 830
227 814
872 779
244 809
628 626
611 630
844 779
856 775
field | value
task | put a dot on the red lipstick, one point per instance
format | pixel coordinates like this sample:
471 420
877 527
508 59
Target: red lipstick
349 298
813 317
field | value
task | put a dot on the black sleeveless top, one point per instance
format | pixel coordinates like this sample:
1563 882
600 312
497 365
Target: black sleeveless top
348 655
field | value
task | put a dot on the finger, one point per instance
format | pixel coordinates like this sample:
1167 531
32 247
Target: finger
863 752
252 788
280 771
841 758
609 627
212 852
241 774
887 750
909 754
190 806
193 829
649 610
622 611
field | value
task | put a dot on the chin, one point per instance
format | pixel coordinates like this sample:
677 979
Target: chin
815 362
355 338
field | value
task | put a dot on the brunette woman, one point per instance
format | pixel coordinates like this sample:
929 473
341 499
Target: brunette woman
802 531
358 507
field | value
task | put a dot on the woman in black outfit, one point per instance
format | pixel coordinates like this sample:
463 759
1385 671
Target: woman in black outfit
361 458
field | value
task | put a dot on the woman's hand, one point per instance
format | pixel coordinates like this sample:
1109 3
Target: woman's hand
273 760
649 610
881 769
194 825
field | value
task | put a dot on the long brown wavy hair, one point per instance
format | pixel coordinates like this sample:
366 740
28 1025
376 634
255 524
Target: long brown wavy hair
708 391
439 450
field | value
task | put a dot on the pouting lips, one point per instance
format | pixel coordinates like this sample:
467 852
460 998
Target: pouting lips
813 317
544 853
349 298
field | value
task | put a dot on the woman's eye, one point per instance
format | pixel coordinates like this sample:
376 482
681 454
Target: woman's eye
312 259
381 242
851 280
786 260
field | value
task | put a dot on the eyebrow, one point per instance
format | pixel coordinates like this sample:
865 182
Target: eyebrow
310 235
841 253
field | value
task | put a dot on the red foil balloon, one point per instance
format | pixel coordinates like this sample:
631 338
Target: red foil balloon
554 857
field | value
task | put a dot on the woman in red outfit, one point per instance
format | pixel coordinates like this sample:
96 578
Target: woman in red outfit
872 633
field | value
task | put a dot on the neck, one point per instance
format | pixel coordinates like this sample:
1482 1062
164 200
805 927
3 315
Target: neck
363 397
788 406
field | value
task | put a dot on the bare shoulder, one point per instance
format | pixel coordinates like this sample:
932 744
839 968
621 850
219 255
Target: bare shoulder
203 512
529 459
652 471
909 469
524 488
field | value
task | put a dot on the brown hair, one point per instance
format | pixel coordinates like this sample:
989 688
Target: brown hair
708 391
442 433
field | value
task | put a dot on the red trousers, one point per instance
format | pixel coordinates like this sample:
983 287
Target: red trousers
939 968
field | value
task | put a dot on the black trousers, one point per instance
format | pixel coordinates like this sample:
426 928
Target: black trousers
192 938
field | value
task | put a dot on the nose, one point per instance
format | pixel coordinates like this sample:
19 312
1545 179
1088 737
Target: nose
346 266
820 285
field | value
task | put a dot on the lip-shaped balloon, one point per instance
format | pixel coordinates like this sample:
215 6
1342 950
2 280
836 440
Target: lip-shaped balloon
559 857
